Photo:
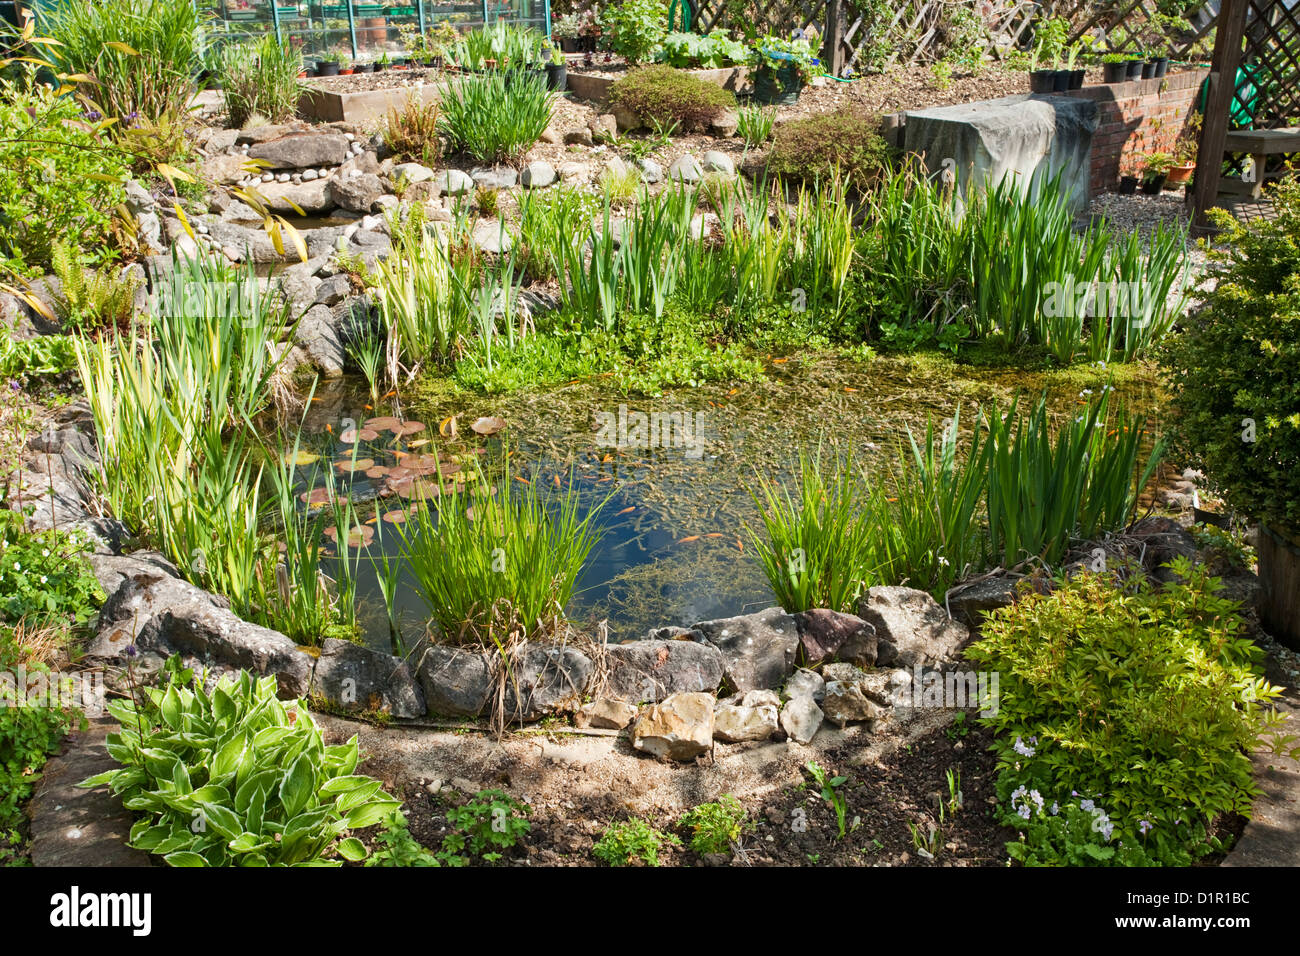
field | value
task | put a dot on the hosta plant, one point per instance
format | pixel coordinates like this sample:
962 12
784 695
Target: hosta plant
235 777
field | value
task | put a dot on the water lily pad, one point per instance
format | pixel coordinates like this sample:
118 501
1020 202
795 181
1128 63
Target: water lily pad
381 423
378 471
348 465
301 458
317 496
409 428
488 425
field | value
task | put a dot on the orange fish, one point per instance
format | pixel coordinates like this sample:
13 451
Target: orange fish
626 510
689 538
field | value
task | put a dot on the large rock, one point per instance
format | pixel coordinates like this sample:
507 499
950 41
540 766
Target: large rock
456 680
357 679
301 150
313 198
546 679
412 173
970 604
846 701
112 570
164 615
538 175
492 237
801 718
606 714
719 162
733 723
758 650
677 728
830 635
649 671
685 170
453 182
318 334
223 170
357 193
494 177
911 629
804 683
1163 539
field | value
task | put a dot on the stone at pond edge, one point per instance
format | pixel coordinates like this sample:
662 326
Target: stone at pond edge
680 727
357 679
301 150
456 680
546 679
829 635
605 714
651 670
356 193
910 627
801 718
758 650
734 723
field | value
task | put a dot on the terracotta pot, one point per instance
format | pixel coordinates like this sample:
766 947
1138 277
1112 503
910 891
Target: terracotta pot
1179 175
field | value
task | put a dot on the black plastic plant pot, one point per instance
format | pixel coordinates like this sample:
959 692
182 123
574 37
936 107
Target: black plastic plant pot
557 76
1149 69
1153 186
327 69
1128 185
380 67
1114 72
1060 81
1076 79
1134 69
777 87
1162 66
1042 81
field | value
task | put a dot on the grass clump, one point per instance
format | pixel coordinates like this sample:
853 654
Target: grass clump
496 117
260 79
411 131
663 97
816 147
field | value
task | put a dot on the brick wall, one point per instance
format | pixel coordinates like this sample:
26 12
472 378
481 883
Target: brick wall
1136 118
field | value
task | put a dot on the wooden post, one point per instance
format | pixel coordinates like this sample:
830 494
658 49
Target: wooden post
1218 108
833 38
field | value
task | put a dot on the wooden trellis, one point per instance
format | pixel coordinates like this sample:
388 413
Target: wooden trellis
913 31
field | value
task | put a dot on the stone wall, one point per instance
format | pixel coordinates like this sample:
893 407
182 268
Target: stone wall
1136 118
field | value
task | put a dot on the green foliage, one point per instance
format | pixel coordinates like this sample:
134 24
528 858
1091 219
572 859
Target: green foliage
89 300
496 118
508 566
488 824
830 792
845 144
235 777
45 579
1235 371
715 826
1143 700
411 131
1079 833
43 355
635 28
260 79
398 847
60 178
28 734
662 96
777 53
707 51
143 55
632 843
754 124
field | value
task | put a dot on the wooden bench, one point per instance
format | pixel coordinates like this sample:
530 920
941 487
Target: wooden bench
1259 143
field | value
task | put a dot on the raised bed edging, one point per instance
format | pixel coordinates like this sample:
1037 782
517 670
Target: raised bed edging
360 108
595 86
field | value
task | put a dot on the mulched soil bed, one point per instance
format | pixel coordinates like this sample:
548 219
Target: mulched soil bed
794 827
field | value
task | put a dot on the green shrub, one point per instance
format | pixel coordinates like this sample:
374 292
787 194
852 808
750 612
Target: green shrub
1143 702
715 826
702 51
143 55
45 579
235 777
1235 370
60 178
635 28
496 117
664 97
492 821
260 79
813 148
631 843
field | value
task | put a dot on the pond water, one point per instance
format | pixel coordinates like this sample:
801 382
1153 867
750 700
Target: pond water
675 549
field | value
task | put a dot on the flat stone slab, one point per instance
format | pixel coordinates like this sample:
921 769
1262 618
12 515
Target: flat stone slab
76 827
364 106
